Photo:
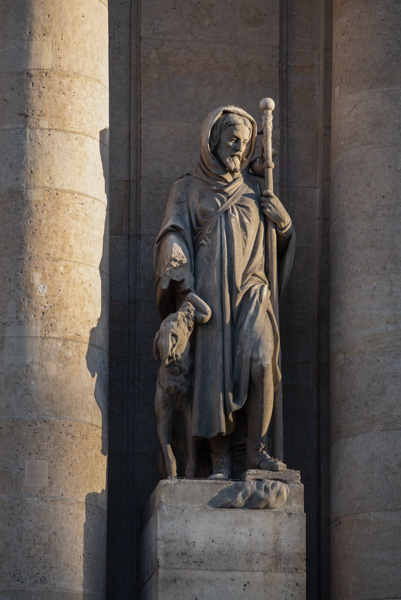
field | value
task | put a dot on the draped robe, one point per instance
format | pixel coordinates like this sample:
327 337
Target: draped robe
212 241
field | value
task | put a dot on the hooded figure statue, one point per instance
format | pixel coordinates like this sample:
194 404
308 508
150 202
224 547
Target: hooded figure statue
212 242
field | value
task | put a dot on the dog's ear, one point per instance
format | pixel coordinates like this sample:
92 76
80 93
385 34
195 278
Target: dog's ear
156 352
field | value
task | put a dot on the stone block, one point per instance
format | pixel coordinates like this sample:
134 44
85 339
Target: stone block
349 182
173 70
71 162
187 21
375 375
190 549
365 474
29 102
355 23
56 447
365 121
45 555
366 551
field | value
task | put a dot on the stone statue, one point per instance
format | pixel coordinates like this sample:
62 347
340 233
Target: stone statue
212 243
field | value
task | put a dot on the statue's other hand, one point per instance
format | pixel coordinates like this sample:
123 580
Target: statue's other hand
274 210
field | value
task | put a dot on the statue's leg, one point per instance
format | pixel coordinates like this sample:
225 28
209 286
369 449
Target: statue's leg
164 408
164 427
259 405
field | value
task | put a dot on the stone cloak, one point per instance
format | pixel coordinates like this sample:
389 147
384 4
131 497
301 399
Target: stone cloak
212 241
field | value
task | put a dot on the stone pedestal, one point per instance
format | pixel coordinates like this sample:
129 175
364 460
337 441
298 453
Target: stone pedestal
192 550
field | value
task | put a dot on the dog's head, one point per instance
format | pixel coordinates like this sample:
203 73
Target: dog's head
171 341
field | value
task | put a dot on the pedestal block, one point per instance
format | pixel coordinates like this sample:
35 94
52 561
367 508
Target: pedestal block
191 549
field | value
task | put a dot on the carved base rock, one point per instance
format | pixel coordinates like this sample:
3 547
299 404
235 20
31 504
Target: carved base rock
191 549
287 476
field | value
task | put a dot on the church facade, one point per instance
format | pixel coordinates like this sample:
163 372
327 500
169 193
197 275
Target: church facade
101 107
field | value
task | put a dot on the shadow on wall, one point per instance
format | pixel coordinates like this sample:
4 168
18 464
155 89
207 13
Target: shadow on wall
97 354
95 537
95 528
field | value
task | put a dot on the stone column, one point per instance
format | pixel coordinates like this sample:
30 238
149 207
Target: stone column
53 298
365 301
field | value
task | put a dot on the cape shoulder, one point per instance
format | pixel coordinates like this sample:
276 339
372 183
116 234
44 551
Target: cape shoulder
182 187
179 190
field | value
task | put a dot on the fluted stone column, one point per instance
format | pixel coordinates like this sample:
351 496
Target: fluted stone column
53 298
365 301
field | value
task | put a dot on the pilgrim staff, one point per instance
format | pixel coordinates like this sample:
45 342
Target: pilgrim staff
267 106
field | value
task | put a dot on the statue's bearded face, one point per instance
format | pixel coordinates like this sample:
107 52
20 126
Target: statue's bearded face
232 146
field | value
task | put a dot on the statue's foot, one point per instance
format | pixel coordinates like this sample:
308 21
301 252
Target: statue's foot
272 464
221 467
257 457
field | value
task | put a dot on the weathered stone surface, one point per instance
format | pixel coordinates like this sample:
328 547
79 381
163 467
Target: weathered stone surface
363 65
365 307
233 585
45 572
375 536
33 105
366 473
235 550
171 68
29 438
54 301
252 494
73 161
379 376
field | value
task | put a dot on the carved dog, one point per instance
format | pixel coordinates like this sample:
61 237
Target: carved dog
174 377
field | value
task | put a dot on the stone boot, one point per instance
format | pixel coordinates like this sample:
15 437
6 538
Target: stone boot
257 457
221 466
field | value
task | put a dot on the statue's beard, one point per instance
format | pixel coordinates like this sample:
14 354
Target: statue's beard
232 163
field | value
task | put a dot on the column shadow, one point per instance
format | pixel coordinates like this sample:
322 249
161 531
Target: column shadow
95 528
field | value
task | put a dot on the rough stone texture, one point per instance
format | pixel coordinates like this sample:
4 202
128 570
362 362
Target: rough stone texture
365 307
54 298
252 494
194 551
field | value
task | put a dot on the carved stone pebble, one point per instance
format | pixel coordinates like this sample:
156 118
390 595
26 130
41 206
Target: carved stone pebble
252 494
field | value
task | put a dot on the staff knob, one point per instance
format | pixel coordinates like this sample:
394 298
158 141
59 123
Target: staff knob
266 104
